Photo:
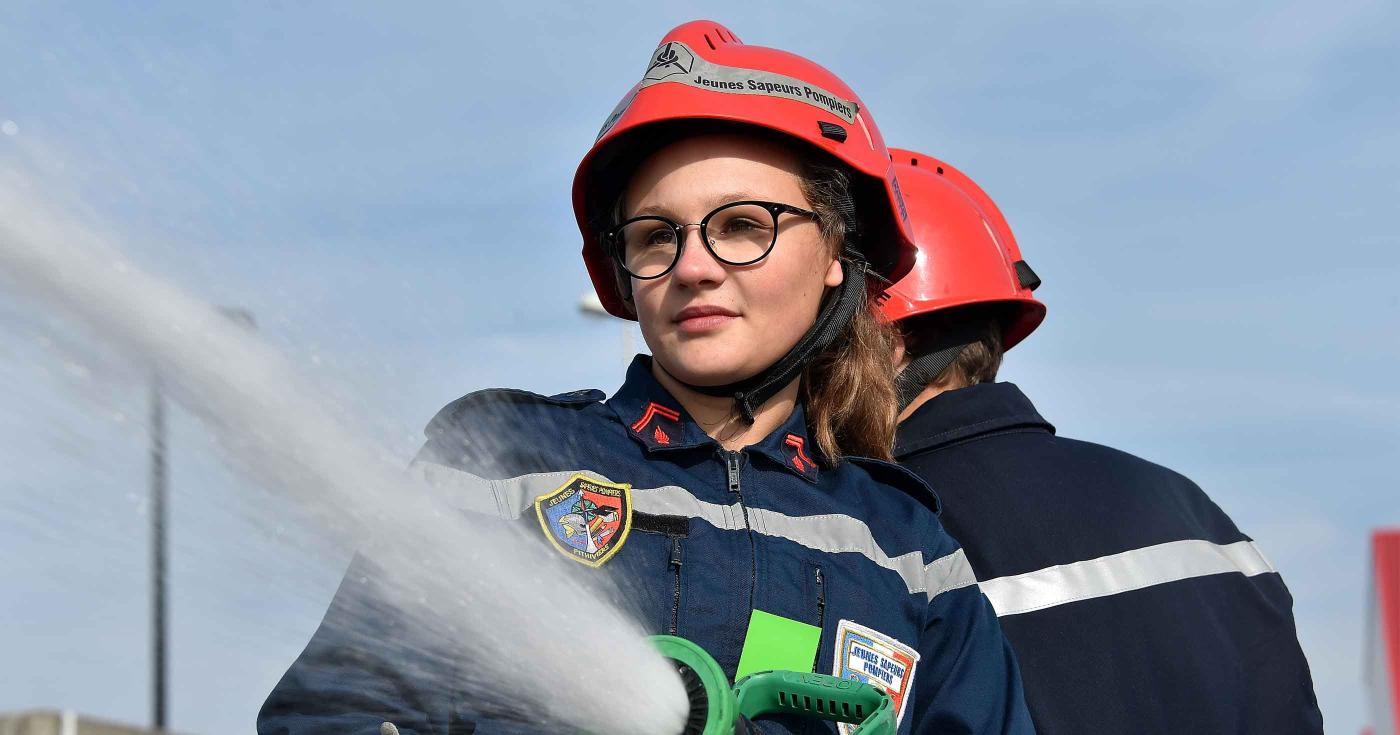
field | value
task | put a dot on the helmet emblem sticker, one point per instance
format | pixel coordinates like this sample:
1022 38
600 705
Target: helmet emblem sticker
585 519
673 58
674 62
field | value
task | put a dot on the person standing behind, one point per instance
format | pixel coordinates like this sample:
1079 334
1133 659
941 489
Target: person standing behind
1134 604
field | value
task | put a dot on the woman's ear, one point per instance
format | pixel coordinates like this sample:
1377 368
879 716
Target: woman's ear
834 274
901 350
624 288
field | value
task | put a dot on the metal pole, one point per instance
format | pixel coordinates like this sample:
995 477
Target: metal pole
158 559
160 495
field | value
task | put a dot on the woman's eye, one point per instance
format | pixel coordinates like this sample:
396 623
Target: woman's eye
741 224
660 236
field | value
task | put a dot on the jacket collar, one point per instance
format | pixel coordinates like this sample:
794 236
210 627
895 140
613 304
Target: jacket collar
966 412
657 421
789 446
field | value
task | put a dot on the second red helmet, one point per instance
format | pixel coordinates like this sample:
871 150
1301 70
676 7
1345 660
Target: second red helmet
966 252
701 72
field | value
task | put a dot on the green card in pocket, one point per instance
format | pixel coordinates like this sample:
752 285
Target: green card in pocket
776 643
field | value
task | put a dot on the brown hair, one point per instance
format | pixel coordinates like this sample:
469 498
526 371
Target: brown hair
848 390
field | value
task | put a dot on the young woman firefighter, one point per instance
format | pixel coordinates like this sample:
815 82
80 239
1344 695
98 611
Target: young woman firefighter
739 203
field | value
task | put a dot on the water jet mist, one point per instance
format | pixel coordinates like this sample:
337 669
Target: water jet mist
281 432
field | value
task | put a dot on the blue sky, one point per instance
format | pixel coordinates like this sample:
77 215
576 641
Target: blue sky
1207 190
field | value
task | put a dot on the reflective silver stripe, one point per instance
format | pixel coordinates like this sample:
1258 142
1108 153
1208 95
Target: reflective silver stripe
952 571
508 498
832 533
671 500
1124 572
836 534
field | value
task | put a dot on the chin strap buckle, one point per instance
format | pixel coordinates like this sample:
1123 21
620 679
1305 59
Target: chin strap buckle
746 408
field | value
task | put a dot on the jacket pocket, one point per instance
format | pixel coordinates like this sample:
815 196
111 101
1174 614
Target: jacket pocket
670 533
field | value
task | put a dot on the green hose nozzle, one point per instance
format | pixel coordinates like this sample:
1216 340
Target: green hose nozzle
715 708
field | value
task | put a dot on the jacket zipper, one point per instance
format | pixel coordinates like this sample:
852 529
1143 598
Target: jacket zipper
732 461
676 594
733 464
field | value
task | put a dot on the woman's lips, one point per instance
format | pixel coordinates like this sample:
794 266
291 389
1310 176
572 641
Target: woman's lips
702 319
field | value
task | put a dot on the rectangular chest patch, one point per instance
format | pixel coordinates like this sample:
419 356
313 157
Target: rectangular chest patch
875 658
776 643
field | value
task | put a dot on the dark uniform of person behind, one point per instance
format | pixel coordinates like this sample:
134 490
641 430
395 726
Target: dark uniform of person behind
1134 603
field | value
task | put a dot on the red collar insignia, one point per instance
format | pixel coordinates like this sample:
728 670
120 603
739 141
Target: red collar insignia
800 461
655 415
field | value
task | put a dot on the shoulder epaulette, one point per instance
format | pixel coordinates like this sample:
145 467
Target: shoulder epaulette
485 400
899 477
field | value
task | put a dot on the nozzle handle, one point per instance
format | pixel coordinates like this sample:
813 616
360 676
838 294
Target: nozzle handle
712 706
817 695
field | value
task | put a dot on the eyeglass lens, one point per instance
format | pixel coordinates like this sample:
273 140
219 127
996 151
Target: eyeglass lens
737 234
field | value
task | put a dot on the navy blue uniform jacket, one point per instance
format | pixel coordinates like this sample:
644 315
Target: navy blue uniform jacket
710 535
1134 604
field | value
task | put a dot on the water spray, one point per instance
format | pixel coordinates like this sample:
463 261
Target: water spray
286 435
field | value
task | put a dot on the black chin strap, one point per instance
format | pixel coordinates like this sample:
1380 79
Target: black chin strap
836 312
924 369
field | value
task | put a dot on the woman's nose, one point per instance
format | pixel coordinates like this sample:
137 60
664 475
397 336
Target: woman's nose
696 265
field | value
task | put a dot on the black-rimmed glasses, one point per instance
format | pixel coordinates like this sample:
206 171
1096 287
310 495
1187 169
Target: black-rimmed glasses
738 233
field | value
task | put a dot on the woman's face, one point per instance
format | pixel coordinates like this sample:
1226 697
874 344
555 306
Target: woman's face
706 322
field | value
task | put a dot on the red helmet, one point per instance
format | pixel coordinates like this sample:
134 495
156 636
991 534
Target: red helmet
966 252
703 72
